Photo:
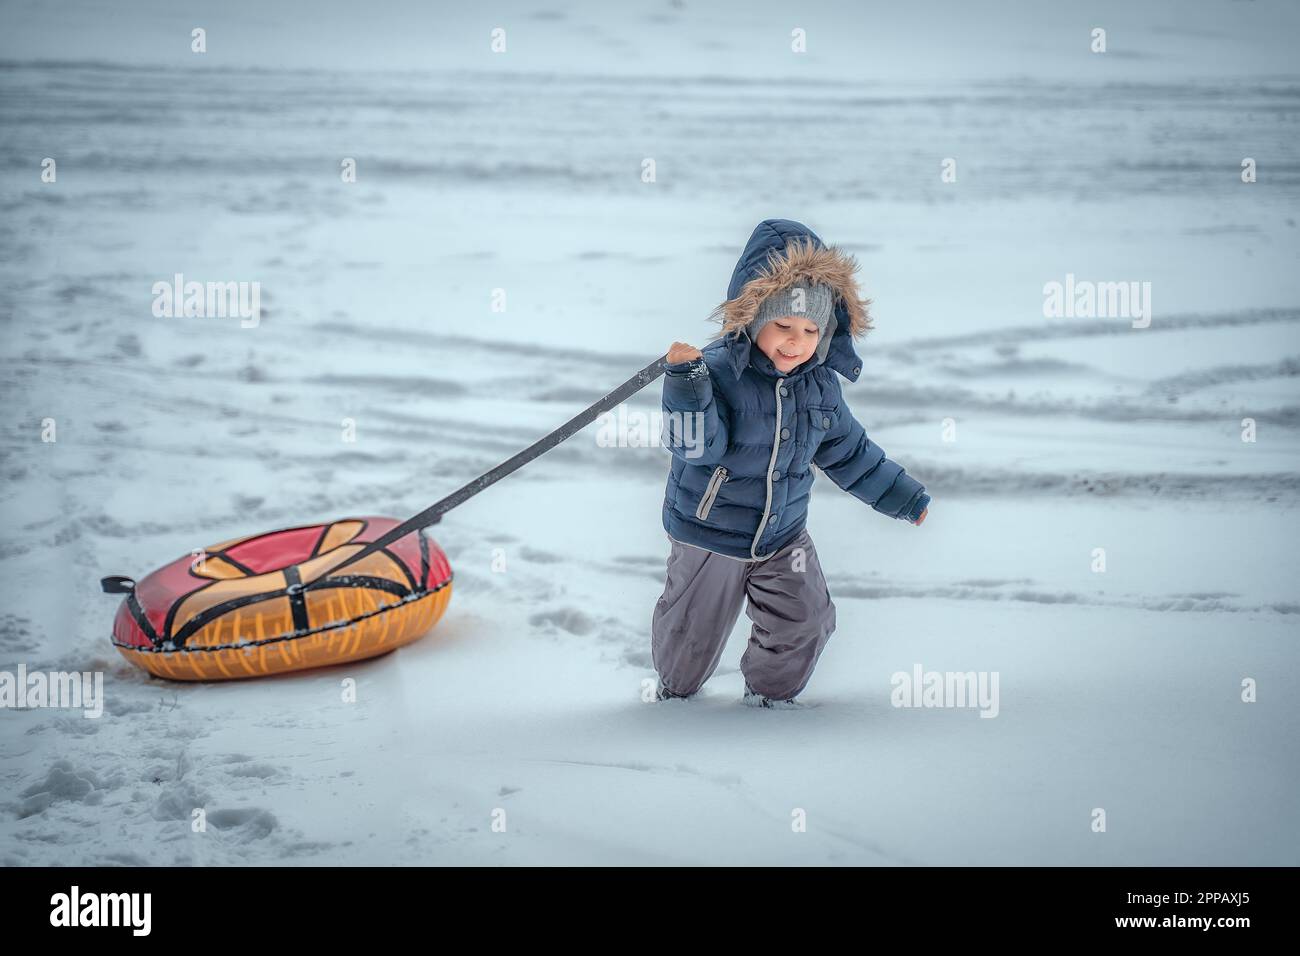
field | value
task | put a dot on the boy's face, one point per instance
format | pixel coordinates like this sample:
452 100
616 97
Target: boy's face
788 341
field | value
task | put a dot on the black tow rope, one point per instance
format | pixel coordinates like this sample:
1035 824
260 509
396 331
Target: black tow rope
433 514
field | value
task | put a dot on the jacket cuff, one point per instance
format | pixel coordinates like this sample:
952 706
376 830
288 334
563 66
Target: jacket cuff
687 385
922 503
693 368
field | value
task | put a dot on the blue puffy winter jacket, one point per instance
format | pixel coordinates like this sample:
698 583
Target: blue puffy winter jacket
744 436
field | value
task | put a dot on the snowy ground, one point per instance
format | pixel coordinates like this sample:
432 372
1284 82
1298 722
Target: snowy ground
1118 690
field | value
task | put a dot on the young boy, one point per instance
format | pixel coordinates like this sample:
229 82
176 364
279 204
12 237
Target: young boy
746 419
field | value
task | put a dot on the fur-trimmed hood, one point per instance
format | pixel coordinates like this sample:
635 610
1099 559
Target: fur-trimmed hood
780 252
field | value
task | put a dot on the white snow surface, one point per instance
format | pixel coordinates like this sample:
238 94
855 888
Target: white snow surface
1119 690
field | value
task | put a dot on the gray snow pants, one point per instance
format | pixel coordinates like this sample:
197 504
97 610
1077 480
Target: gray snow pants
788 602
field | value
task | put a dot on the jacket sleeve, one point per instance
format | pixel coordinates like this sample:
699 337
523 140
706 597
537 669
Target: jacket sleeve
696 424
859 466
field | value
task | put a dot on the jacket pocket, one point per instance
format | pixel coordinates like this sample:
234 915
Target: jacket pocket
821 418
711 492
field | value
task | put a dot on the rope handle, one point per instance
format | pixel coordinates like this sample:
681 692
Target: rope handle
433 514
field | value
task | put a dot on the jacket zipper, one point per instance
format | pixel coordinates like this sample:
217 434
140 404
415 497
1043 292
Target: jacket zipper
715 483
771 464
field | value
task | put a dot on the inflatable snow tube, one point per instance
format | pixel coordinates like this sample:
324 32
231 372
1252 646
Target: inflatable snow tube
269 604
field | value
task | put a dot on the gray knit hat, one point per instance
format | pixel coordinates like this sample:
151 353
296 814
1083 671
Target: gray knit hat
816 303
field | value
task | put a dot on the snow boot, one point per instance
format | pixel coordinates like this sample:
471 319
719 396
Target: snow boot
754 699
663 693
